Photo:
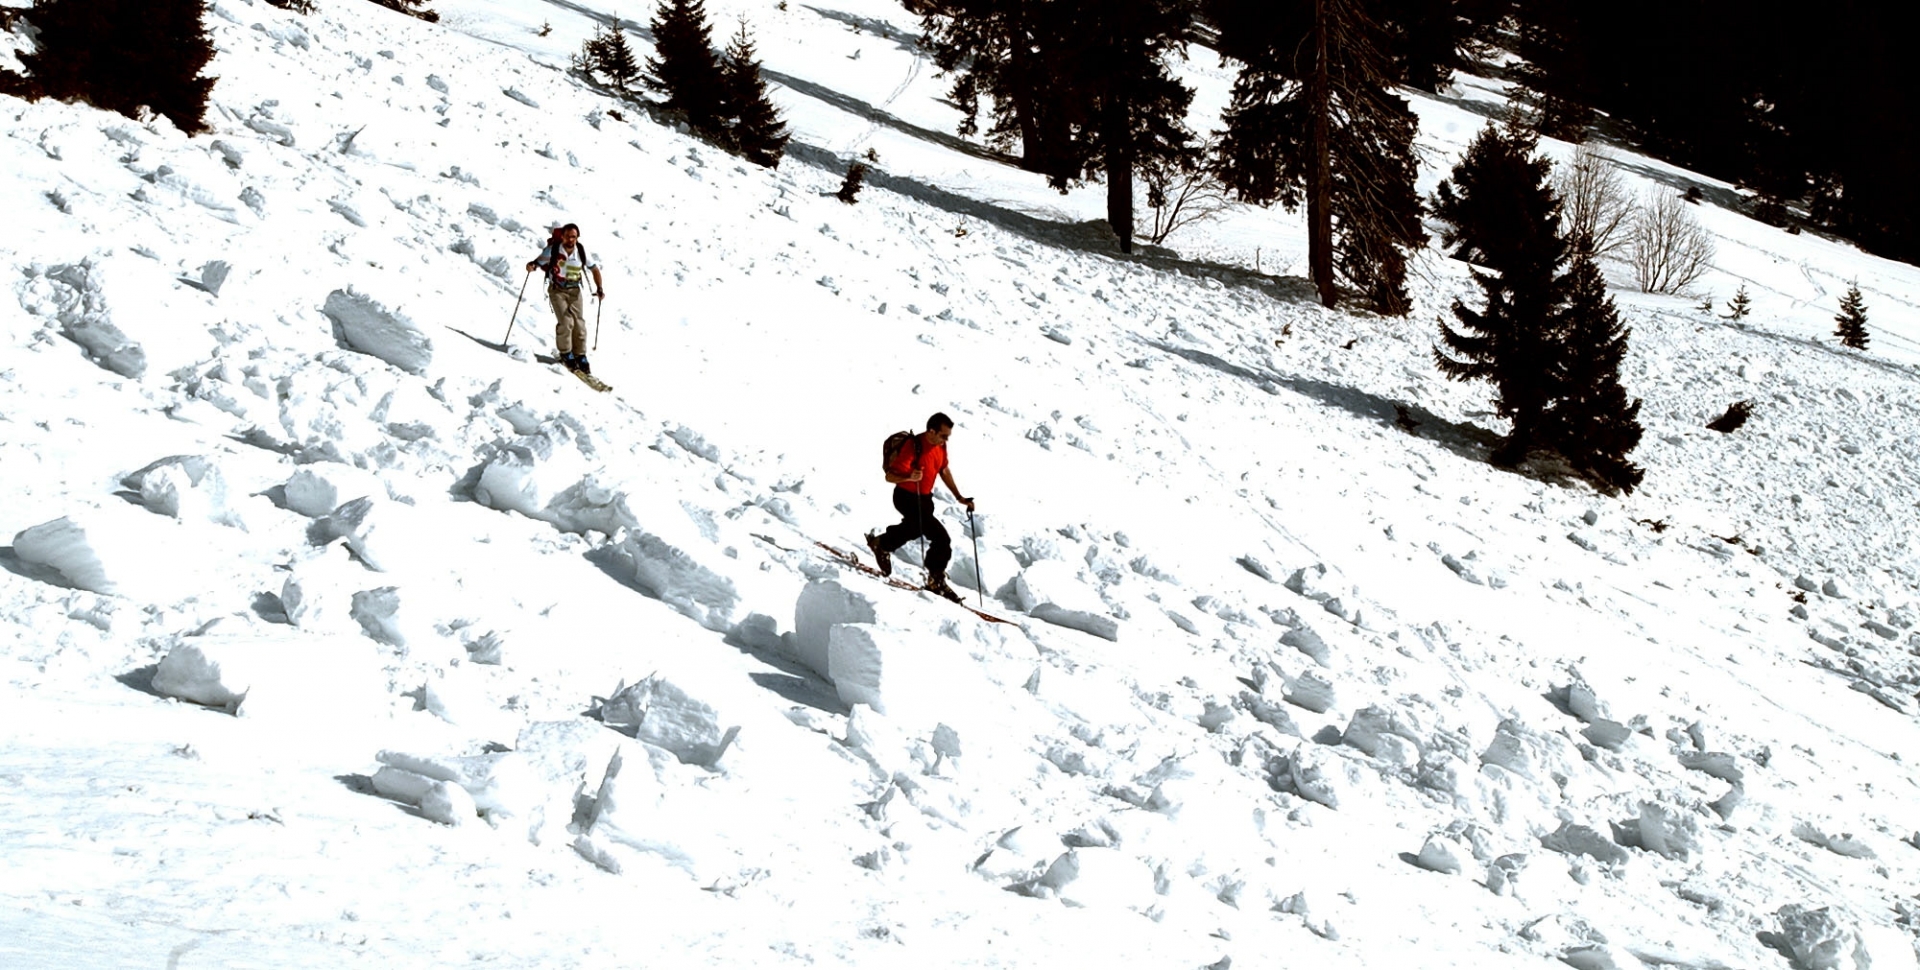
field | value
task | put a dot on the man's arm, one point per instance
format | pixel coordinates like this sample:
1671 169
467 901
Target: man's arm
946 475
599 290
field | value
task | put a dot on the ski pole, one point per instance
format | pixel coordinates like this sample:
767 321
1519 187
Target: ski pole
599 303
979 581
516 308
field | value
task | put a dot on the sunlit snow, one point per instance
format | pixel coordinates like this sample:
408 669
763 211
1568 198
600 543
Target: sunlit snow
333 632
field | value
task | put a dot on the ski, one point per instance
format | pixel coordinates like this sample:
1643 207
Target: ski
592 381
853 562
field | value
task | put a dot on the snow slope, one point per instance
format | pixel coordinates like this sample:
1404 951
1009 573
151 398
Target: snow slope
335 633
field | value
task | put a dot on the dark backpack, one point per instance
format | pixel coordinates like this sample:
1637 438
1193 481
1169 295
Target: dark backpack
894 443
556 261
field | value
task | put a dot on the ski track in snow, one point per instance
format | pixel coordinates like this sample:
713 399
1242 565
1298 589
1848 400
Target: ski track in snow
332 631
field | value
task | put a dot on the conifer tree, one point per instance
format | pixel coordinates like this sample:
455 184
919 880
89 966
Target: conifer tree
1591 422
1741 304
1424 38
1852 322
684 66
1313 120
1005 53
608 54
1084 83
757 132
1505 218
1126 108
120 55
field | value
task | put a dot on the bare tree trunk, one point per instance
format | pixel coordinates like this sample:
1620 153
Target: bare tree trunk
1320 191
1119 172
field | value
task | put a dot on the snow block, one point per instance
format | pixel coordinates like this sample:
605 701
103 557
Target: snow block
995 568
589 505
669 573
388 615
821 605
365 325
186 487
213 672
1101 878
870 665
659 712
317 489
448 804
1312 691
1440 855
1818 940
1384 734
1583 840
1321 776
1665 832
529 472
1603 733
1051 591
501 783
111 551
1539 758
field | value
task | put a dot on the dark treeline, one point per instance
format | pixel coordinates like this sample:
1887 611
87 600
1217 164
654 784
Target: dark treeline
1814 110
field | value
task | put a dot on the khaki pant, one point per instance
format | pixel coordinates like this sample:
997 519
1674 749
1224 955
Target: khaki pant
570 319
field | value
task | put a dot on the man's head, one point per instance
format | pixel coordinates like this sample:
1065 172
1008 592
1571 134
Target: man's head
568 234
940 426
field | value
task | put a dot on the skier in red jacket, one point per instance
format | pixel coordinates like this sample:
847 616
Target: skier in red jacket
912 469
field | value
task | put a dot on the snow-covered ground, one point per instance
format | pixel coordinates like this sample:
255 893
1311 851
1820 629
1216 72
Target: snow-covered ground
331 634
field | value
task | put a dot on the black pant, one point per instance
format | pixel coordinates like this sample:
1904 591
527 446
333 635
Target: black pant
916 520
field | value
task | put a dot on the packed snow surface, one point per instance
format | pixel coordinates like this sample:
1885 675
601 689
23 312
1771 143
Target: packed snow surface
335 631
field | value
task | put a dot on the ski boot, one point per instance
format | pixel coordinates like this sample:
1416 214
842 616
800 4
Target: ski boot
880 556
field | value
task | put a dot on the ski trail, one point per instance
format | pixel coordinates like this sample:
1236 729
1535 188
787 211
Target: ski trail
913 74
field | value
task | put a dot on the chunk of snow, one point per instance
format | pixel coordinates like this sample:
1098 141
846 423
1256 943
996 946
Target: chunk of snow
661 713
822 604
213 672
364 324
1440 855
319 488
448 804
1312 691
186 487
1051 590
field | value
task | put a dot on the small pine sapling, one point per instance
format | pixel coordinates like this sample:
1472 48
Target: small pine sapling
1852 321
1706 303
1737 414
1741 304
546 28
412 8
850 187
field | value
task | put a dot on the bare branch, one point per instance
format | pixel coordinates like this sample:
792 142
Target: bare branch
1670 248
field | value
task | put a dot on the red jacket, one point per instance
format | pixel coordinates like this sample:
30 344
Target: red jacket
932 460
